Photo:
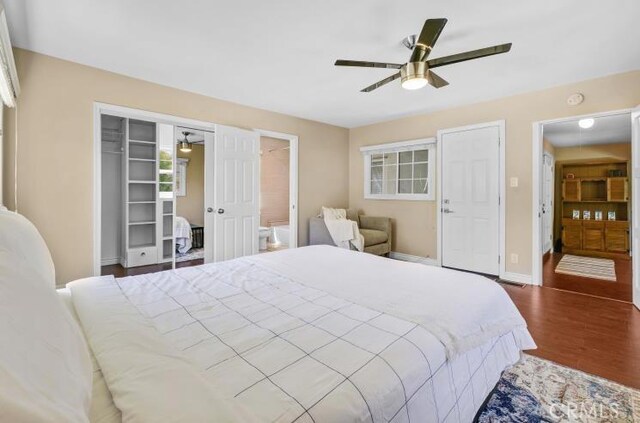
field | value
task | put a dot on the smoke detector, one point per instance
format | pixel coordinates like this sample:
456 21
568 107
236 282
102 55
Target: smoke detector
575 99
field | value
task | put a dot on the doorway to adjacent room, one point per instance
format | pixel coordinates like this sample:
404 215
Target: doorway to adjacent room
586 205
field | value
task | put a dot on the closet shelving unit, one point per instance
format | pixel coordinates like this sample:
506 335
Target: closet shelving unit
166 210
141 189
138 196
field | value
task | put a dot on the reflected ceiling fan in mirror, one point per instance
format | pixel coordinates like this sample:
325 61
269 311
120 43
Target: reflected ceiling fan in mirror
417 73
184 145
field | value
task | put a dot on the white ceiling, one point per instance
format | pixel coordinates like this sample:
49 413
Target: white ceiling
605 130
195 136
279 55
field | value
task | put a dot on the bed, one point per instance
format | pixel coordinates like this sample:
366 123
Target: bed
279 343
183 235
314 334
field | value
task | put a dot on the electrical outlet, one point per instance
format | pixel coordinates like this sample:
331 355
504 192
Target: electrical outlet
513 182
514 258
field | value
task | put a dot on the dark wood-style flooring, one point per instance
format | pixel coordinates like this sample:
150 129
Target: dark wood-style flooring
621 289
596 335
119 272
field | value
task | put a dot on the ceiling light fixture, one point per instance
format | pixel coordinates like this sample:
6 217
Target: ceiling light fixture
418 71
414 75
185 145
586 123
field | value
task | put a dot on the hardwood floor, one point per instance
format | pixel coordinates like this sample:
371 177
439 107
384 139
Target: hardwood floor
595 335
119 272
619 290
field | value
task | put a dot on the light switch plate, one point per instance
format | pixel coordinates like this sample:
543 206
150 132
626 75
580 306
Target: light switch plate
513 182
514 258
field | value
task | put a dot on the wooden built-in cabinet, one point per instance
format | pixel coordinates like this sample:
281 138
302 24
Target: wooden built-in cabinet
612 189
607 238
593 235
571 190
572 234
618 189
617 237
596 187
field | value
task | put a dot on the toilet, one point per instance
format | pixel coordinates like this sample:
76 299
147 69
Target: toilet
264 233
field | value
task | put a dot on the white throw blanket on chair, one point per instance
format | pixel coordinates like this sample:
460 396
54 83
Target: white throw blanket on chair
344 233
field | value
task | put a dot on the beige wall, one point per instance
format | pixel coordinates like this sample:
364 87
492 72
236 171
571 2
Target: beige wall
55 158
621 151
191 206
415 221
274 181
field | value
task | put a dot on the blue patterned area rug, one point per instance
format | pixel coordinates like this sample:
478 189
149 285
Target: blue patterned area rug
537 390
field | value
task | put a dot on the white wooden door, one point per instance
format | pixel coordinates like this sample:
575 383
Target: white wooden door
547 202
209 189
236 186
635 204
470 199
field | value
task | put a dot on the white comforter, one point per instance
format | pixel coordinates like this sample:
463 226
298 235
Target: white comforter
182 235
462 310
263 339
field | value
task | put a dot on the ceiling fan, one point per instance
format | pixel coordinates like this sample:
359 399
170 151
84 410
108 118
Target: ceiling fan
184 145
417 73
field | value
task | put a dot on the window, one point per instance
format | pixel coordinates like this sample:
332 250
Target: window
181 177
400 171
166 174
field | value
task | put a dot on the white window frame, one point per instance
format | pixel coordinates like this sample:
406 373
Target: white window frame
180 177
167 195
397 147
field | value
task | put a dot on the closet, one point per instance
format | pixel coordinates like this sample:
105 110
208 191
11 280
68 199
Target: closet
112 198
138 183
137 192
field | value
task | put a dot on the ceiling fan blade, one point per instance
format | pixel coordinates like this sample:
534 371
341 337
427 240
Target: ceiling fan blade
435 80
427 39
469 55
362 64
381 83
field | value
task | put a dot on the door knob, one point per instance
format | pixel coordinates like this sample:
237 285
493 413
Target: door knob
220 211
447 211
209 210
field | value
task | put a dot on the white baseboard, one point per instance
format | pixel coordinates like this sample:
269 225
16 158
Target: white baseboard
108 262
517 277
508 276
414 259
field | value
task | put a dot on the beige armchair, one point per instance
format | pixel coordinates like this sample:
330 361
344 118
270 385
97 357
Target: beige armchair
375 230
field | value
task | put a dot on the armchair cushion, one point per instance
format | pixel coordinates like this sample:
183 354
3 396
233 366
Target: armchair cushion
375 222
373 237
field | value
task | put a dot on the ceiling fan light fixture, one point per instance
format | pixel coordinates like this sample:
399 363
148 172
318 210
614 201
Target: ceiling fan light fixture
414 83
185 145
417 73
414 75
586 123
